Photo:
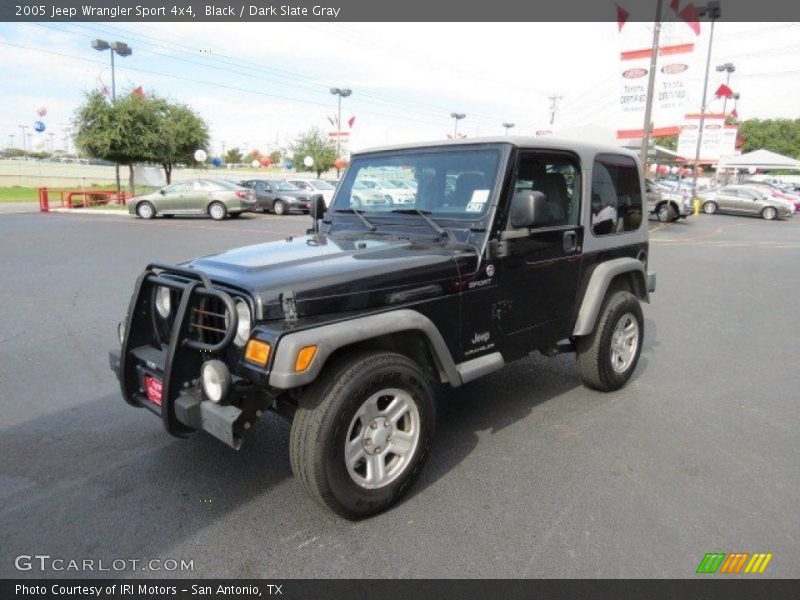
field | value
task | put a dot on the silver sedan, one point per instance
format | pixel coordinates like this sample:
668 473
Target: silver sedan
744 200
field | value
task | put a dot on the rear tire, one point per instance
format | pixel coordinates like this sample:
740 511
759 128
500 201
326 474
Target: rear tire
145 210
710 208
358 404
217 211
769 213
608 356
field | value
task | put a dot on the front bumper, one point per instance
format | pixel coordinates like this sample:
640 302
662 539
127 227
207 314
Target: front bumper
176 362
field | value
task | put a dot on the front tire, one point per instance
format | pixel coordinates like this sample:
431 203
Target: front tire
710 208
665 213
769 213
145 210
279 208
608 356
217 211
362 432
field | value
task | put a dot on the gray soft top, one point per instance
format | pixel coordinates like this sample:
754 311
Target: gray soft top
523 142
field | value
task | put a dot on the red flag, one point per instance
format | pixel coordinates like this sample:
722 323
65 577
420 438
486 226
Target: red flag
735 114
351 120
138 91
689 15
622 17
723 91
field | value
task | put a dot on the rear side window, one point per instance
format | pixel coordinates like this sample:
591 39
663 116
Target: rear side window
616 195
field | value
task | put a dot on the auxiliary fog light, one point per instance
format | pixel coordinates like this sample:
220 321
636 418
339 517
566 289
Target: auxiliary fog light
216 380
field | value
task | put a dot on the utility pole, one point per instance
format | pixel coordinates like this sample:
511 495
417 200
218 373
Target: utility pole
51 135
712 11
651 84
554 106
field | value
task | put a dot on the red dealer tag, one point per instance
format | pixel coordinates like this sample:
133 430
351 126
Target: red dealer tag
153 388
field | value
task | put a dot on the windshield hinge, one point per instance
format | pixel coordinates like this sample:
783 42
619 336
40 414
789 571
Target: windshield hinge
289 307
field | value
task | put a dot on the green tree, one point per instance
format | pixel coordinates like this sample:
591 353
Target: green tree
312 143
186 131
233 156
275 157
777 135
129 131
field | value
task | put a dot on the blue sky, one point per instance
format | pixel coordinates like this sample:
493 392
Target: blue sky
261 83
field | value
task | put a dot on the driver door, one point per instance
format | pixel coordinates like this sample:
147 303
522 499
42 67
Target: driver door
539 274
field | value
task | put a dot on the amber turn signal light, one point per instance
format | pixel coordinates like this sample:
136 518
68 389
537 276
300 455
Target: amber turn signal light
257 352
304 358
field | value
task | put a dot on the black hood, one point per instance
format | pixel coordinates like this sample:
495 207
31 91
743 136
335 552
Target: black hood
342 272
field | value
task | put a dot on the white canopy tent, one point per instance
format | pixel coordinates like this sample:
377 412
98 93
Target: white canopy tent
759 159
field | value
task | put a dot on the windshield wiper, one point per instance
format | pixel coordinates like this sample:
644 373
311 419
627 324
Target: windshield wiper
424 214
357 213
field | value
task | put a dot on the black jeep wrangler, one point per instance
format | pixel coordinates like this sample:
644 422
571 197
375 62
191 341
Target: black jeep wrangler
511 245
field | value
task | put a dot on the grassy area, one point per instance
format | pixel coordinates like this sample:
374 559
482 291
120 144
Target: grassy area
19 194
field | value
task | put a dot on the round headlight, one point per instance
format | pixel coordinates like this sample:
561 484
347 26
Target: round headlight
243 323
216 380
163 301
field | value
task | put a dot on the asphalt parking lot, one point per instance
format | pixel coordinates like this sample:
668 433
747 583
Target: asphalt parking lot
531 475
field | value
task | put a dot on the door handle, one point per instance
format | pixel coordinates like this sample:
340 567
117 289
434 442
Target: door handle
570 241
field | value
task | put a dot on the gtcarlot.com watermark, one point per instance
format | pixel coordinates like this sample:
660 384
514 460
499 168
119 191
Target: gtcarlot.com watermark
48 563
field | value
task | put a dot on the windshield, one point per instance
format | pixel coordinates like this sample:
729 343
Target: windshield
449 183
284 186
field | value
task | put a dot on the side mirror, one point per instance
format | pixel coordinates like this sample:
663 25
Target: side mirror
317 208
528 209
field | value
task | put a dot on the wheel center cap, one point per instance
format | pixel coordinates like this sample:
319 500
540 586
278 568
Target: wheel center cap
377 436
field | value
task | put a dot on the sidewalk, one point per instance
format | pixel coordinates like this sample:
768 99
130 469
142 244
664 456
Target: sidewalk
18 207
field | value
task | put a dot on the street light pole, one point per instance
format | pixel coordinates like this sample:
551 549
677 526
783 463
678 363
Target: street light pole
122 49
23 128
508 126
713 12
651 83
339 93
457 117
726 68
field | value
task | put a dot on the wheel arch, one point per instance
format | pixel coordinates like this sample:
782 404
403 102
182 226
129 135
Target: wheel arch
617 274
405 331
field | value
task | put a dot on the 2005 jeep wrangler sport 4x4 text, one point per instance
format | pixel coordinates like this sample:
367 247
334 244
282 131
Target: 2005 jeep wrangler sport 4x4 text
510 245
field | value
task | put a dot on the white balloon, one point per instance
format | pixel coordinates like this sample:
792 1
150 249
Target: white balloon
753 170
255 164
674 170
308 161
289 154
200 155
653 168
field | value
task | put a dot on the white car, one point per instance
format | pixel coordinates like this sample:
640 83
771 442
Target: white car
391 191
316 186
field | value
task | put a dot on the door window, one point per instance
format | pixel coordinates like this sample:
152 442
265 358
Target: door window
558 178
616 195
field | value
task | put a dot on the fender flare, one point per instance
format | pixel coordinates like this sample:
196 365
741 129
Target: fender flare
595 293
331 337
